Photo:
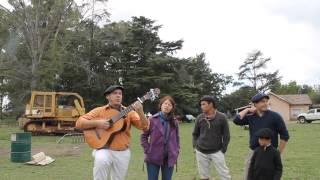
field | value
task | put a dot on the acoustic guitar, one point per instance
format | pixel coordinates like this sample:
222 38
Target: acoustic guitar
98 138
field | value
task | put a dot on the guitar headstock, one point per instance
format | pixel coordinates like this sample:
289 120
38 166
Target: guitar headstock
153 94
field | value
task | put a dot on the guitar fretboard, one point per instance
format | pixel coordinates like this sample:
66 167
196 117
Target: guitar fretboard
124 112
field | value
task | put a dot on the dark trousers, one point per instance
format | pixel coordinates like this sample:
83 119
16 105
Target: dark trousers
153 171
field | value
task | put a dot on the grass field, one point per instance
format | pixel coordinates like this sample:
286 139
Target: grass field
74 162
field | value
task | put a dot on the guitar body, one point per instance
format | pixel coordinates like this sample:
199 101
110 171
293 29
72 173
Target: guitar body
97 138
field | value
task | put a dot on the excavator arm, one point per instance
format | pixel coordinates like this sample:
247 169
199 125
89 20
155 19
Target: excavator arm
79 108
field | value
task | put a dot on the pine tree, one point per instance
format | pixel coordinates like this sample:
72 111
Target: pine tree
252 71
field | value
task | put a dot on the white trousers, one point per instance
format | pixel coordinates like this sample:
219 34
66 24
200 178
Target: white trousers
108 163
204 165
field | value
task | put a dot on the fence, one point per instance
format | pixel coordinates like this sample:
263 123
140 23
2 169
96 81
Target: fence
8 123
74 138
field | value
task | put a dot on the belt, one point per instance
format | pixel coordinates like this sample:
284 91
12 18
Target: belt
106 147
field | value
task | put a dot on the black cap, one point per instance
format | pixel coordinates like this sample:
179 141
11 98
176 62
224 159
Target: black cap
265 133
259 96
209 99
111 88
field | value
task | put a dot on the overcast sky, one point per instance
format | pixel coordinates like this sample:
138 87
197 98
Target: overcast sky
288 31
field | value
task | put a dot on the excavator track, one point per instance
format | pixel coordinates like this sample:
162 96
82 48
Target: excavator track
48 126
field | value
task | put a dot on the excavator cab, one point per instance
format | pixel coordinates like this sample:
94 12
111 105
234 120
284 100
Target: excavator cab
52 112
68 106
41 105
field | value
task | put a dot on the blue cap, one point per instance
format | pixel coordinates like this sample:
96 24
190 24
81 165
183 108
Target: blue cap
259 96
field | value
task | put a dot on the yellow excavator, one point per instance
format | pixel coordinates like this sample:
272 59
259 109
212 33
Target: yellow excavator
52 112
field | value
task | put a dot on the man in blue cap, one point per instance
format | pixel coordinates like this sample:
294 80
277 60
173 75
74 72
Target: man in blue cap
258 117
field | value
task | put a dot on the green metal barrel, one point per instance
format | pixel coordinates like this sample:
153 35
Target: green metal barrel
20 147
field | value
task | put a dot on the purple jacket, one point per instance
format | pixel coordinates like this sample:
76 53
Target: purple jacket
152 141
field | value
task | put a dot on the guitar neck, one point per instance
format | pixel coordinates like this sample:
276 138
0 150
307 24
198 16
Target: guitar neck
126 111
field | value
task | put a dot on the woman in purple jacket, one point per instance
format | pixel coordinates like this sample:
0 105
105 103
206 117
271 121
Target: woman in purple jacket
161 141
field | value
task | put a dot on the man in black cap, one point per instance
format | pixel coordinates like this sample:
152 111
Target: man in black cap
113 160
257 117
266 160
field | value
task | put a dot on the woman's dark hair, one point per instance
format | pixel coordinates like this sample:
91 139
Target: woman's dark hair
171 114
208 99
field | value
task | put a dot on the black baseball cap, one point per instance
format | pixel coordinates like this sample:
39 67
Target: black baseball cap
265 133
209 99
111 88
258 97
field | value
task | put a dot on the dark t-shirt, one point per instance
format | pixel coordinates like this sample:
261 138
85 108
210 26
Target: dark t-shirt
211 136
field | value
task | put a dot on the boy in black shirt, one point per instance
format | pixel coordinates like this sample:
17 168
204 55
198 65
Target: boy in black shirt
266 161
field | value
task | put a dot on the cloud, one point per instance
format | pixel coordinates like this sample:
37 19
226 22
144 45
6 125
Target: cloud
303 15
226 31
296 10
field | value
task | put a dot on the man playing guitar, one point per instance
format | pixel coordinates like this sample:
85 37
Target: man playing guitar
113 158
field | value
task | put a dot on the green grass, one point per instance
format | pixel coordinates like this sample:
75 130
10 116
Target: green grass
74 161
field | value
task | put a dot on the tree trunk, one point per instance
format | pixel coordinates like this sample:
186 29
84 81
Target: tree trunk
1 105
33 83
